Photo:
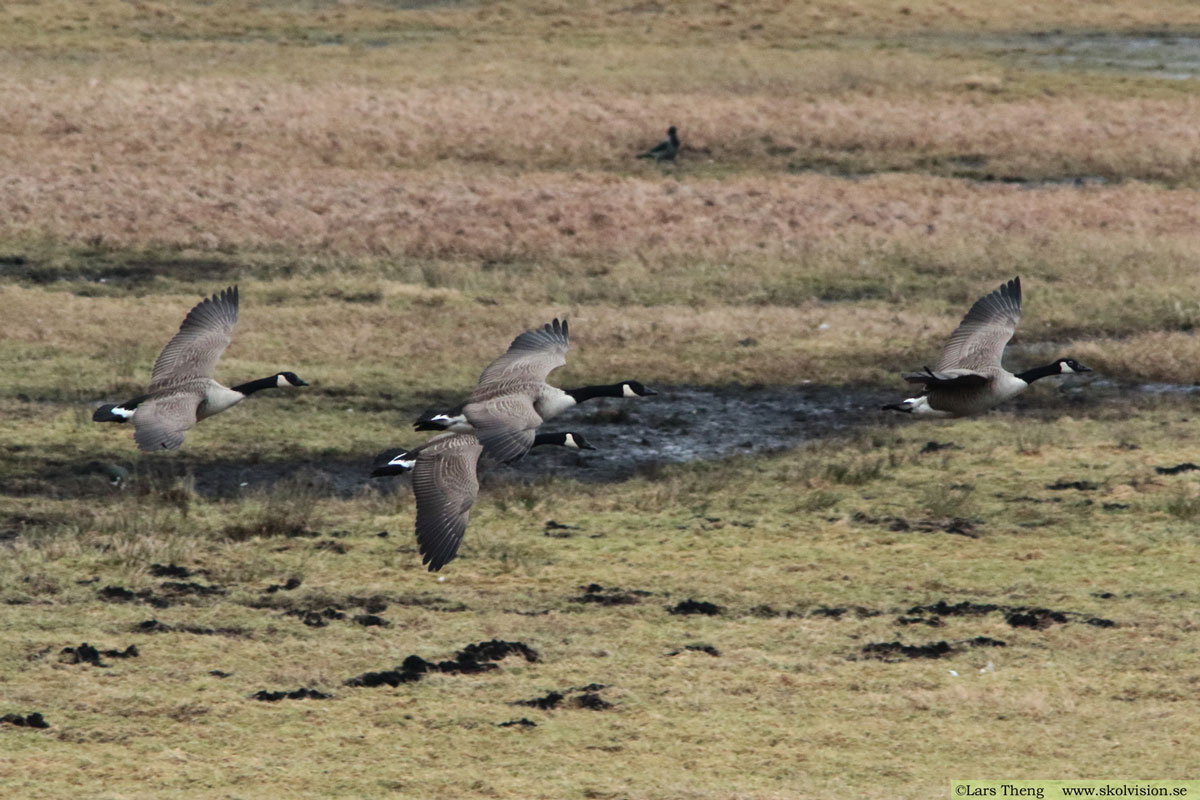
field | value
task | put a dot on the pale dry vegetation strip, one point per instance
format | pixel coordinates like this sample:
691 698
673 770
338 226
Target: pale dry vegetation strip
137 125
547 215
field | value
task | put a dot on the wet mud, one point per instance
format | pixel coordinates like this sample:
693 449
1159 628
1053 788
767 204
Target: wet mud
1153 54
632 437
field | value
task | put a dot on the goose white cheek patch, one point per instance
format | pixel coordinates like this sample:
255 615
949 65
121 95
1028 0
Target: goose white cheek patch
627 391
124 413
1065 368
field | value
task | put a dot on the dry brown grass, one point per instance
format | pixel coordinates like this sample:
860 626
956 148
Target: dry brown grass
106 124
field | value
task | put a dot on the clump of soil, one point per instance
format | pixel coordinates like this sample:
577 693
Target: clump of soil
964 609
1187 466
956 525
522 722
316 619
886 651
691 606
1037 618
190 588
1016 616
609 596
86 654
697 648
292 583
473 658
119 594
587 697
557 530
371 620
298 694
1082 486
34 720
171 570
894 651
154 626
836 612
933 447
545 703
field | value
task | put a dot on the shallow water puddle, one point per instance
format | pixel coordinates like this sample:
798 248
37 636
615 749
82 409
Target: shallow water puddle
1158 55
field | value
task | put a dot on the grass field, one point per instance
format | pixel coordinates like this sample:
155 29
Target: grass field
399 189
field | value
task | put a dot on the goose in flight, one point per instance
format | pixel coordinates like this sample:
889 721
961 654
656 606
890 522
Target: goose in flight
969 378
182 391
446 483
512 397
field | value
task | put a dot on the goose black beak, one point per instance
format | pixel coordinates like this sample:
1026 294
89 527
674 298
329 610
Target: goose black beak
648 391
1081 368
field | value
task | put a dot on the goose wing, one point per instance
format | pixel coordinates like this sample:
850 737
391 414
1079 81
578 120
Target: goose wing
507 424
445 485
501 408
977 344
202 338
529 359
161 422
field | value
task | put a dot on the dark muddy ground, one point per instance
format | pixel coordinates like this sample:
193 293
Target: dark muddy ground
631 437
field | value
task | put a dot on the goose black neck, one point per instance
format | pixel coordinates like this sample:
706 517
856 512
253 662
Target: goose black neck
549 438
1031 375
588 392
254 386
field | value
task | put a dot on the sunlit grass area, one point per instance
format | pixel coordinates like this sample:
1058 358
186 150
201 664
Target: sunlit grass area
399 189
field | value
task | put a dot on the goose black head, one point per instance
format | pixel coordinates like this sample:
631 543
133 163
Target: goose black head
635 389
285 379
1068 365
576 442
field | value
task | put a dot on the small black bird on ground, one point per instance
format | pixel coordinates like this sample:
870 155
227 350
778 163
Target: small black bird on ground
664 150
